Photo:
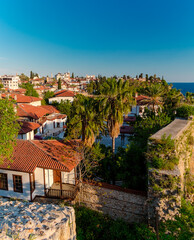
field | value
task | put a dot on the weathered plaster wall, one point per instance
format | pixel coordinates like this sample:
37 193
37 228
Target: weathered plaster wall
130 206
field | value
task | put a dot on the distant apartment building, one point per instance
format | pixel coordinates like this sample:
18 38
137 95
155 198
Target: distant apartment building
90 77
10 82
65 76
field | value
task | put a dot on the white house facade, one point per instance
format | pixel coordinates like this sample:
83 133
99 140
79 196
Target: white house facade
39 168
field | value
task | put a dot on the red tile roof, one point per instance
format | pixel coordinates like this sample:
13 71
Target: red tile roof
19 90
141 98
65 93
50 154
28 127
25 110
22 98
50 108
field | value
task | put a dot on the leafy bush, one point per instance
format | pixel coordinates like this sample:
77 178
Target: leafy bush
92 225
185 111
161 154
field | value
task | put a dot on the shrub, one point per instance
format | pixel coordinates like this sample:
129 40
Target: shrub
185 111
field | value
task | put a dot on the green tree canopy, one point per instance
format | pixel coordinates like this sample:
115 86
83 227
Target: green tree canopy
23 77
116 100
47 95
86 119
59 83
9 128
30 91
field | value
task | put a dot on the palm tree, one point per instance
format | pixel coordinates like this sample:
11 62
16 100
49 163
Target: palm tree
154 92
86 118
116 100
189 97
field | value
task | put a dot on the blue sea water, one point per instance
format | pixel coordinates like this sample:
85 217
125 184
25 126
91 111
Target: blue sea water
184 87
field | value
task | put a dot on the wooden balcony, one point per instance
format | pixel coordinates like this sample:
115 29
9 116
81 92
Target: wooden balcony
68 191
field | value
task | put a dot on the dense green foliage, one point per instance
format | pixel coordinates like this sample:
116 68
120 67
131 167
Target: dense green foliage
185 111
23 77
64 107
9 128
86 119
30 91
47 95
59 83
32 75
92 225
190 97
115 100
161 154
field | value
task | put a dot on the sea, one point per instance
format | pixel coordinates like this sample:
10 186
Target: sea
184 87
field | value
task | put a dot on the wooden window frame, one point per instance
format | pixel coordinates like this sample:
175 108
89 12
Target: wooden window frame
14 184
6 189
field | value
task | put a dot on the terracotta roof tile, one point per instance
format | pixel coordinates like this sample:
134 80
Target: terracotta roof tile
50 154
36 112
28 127
65 93
20 98
50 108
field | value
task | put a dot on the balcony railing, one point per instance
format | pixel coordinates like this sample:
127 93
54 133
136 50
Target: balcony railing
57 193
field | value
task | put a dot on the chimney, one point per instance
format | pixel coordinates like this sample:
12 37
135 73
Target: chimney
15 97
136 94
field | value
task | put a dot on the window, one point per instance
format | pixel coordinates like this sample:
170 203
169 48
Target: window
58 125
32 181
17 183
3 181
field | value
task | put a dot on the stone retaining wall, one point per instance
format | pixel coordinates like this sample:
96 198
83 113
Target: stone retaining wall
130 206
165 187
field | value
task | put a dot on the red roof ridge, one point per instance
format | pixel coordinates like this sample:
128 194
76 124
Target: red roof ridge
47 153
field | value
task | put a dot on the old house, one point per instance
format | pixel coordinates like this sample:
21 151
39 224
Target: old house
40 168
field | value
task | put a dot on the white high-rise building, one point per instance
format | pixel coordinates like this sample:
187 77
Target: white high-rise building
10 81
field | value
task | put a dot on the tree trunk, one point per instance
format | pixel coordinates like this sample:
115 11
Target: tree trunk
113 146
113 159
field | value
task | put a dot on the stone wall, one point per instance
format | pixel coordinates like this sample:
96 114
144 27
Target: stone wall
165 187
115 201
33 220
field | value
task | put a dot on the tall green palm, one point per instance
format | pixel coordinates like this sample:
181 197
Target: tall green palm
189 97
155 93
86 118
172 99
116 99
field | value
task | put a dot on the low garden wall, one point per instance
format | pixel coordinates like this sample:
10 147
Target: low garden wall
115 201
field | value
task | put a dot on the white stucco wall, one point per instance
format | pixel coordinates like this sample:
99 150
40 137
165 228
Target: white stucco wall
39 183
27 136
59 99
25 183
48 177
36 103
68 177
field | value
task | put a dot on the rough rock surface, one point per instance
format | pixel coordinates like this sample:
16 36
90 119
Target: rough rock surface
31 220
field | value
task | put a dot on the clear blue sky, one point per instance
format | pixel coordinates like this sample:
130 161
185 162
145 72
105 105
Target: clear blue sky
98 37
